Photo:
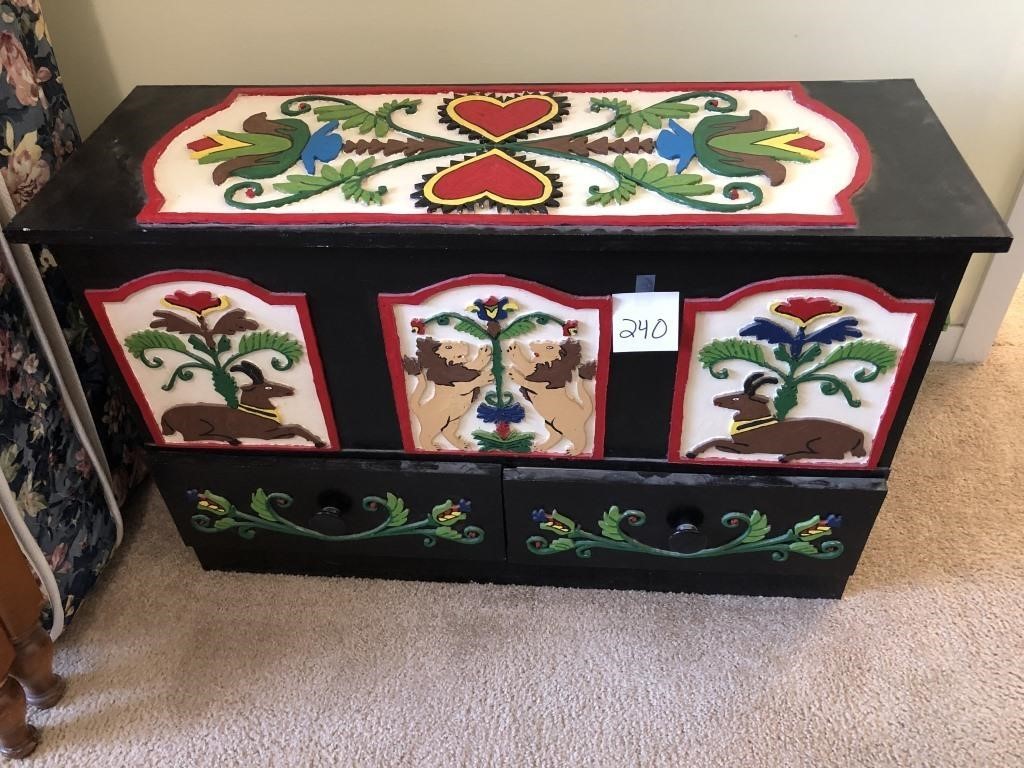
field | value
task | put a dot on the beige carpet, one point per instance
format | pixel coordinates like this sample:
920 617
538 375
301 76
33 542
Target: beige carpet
919 665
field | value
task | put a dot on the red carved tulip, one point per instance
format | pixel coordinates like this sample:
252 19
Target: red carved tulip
570 327
804 309
419 326
200 302
503 429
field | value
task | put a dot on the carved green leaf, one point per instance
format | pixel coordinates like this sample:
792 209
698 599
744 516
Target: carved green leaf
785 399
517 328
352 116
681 185
139 342
809 354
278 342
562 545
624 189
803 548
720 350
199 345
639 120
447 533
299 183
758 529
879 354
349 115
259 504
397 512
222 524
610 524
225 386
468 326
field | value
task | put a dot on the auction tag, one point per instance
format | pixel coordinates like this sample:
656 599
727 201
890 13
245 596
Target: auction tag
645 322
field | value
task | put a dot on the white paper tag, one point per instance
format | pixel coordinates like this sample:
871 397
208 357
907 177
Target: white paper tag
645 322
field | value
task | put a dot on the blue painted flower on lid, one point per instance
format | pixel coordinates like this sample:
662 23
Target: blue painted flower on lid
676 143
324 145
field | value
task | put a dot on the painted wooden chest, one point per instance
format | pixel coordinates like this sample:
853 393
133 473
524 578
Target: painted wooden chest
663 336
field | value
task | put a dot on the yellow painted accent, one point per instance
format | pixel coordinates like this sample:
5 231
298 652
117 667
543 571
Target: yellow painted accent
273 414
428 189
737 426
223 142
450 110
781 142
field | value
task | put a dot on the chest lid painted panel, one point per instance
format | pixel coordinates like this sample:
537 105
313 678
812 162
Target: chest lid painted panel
865 159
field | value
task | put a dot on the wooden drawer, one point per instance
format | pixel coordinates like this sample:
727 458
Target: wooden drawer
729 524
293 513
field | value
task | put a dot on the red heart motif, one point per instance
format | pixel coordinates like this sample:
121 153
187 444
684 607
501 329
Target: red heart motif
497 120
493 175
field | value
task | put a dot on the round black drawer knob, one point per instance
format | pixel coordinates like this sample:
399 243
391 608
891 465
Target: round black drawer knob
687 537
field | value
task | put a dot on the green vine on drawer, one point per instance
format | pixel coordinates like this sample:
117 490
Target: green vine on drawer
804 538
217 514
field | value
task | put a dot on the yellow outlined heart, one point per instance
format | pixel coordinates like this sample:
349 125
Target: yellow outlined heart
500 117
485 170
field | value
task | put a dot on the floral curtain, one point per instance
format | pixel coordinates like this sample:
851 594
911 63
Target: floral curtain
66 500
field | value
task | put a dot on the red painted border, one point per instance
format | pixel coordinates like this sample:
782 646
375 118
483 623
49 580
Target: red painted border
386 303
922 308
151 214
97 298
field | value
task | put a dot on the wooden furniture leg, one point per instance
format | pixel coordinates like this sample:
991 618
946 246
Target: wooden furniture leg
33 668
20 605
17 737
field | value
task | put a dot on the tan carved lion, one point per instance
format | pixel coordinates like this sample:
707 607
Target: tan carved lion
551 377
456 379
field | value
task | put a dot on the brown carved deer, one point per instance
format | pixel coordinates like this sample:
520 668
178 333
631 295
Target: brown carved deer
255 416
755 430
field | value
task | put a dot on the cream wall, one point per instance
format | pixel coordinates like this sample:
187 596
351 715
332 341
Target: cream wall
967 57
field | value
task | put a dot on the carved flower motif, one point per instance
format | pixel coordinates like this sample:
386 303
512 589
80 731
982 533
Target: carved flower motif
199 303
570 327
419 325
804 309
493 308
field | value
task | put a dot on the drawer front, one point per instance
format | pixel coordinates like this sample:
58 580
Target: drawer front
300 511
683 521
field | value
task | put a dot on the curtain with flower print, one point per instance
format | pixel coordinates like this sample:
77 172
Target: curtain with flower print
69 451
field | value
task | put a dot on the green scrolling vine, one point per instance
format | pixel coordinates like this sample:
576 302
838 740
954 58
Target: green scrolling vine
492 156
805 538
217 514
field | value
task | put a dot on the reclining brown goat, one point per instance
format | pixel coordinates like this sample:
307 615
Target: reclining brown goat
255 416
755 430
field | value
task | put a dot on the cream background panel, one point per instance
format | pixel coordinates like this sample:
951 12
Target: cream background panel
702 420
456 300
809 188
135 314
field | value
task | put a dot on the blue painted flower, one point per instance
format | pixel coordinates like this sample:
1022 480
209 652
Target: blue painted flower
511 414
834 521
539 515
676 143
465 505
192 495
803 311
324 145
493 308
